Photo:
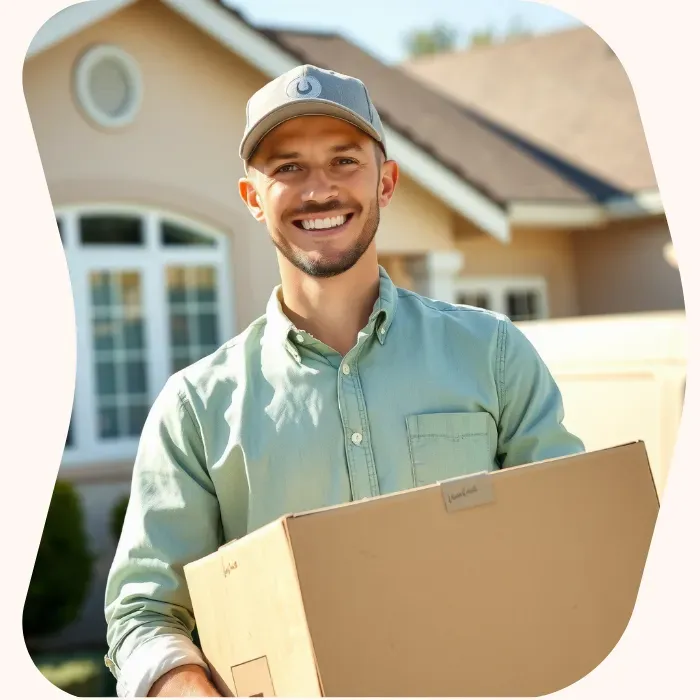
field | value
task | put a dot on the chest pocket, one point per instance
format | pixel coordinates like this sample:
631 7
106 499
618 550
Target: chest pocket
446 445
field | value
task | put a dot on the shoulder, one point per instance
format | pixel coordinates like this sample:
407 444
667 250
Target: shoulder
457 318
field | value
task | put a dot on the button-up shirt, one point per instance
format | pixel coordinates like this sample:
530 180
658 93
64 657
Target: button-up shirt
277 422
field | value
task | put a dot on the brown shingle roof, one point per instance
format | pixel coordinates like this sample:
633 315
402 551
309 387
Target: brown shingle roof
565 91
485 155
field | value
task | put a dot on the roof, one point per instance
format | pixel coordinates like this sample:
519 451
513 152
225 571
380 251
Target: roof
492 158
565 91
480 167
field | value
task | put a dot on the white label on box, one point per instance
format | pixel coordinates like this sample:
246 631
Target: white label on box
467 491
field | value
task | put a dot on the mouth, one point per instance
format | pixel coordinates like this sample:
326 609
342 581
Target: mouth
320 225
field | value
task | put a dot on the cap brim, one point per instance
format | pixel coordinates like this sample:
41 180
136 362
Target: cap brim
301 108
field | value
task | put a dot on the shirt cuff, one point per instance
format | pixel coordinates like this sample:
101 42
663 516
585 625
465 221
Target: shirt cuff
152 660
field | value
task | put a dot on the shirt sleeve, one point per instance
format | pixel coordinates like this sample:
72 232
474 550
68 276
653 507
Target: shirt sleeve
531 426
153 659
172 518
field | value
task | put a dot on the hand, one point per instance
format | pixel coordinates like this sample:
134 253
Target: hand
189 681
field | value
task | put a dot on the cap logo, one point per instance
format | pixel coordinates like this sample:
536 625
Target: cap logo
305 86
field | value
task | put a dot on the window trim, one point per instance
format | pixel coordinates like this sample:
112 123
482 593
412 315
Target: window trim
83 69
498 287
151 259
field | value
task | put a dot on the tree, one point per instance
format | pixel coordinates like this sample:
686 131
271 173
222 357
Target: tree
63 567
439 38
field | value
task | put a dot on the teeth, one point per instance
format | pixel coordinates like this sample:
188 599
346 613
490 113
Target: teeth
316 224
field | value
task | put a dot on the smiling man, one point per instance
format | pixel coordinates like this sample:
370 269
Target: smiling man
346 388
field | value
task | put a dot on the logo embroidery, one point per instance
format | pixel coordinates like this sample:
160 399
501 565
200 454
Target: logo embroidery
305 86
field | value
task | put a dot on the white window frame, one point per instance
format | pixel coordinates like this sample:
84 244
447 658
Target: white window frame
497 289
83 72
151 259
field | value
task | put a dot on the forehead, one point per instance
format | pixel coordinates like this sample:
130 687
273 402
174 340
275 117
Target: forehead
305 132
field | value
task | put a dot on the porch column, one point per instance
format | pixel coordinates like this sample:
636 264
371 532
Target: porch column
435 274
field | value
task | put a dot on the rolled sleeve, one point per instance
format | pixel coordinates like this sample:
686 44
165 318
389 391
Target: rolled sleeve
173 518
154 659
531 425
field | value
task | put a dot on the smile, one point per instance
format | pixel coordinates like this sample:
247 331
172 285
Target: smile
323 224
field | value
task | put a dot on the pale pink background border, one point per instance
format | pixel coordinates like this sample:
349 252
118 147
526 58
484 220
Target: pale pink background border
658 655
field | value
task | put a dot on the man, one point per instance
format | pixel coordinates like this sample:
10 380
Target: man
346 388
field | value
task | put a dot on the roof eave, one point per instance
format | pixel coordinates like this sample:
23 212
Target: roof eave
231 30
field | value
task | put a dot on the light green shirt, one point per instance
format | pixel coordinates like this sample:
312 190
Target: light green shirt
277 422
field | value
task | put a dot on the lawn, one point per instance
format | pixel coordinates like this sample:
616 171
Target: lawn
82 674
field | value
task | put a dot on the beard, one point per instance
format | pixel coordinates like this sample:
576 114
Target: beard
330 266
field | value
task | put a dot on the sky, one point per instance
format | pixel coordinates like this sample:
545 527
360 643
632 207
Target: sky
381 25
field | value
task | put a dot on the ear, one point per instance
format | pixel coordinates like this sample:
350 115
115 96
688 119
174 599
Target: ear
251 198
388 179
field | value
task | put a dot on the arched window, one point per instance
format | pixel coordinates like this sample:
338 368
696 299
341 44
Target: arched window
152 295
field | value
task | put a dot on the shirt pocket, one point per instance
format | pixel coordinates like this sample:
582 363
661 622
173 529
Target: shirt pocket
447 445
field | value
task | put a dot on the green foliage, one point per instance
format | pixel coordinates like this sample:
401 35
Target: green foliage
444 38
437 39
63 568
118 515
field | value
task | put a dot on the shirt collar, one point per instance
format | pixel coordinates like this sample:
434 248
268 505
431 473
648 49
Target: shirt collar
281 331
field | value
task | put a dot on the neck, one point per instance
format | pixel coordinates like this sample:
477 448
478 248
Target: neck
332 309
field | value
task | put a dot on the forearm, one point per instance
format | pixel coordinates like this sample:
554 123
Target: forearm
184 681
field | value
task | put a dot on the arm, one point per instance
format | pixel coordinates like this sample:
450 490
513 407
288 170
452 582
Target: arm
173 518
532 412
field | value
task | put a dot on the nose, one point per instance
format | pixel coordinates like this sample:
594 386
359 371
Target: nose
319 187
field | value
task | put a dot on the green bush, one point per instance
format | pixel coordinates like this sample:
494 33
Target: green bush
63 568
118 514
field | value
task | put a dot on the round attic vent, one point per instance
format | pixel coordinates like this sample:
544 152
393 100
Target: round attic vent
108 86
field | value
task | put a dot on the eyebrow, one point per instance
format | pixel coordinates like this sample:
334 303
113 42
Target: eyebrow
293 155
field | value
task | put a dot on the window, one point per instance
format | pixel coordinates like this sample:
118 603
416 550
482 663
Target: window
108 86
519 298
151 297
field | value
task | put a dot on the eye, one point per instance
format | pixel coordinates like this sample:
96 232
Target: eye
346 161
287 168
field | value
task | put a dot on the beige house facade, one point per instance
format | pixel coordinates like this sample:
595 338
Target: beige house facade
138 108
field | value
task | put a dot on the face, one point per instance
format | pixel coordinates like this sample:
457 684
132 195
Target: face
318 183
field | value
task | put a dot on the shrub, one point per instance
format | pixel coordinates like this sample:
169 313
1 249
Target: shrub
118 514
63 567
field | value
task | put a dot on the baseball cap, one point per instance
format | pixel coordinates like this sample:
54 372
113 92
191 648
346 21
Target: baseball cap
304 91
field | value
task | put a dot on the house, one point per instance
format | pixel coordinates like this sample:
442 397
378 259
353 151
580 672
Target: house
138 107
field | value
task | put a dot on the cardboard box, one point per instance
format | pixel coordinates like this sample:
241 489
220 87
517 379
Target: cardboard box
515 583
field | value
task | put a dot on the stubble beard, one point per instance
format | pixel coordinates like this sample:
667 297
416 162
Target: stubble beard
321 267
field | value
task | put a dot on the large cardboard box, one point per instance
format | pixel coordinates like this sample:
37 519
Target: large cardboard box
514 583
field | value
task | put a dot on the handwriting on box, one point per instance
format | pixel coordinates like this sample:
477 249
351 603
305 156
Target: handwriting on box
467 491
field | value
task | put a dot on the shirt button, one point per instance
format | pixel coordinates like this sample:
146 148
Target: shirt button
300 338
346 370
356 438
382 330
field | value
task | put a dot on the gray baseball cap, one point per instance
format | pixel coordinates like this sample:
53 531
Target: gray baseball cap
304 91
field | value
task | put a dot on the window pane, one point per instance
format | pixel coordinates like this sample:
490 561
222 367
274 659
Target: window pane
205 284
176 285
133 333
179 333
111 230
208 330
109 423
106 379
194 320
136 377
70 436
523 306
136 417
120 361
101 286
477 299
175 235
103 333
